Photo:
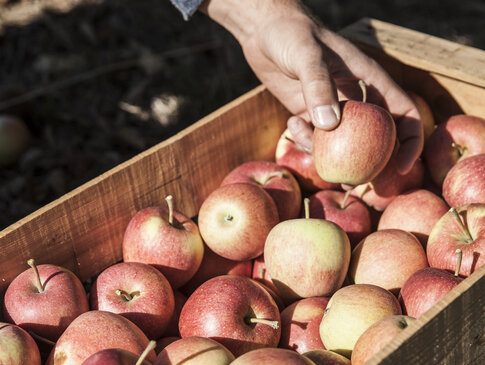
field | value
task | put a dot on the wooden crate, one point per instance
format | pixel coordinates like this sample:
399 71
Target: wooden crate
83 230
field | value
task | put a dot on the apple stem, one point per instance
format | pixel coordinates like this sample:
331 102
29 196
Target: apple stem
40 287
363 87
279 174
367 188
462 225
126 296
346 197
459 255
460 148
273 324
42 339
151 345
262 271
306 204
169 200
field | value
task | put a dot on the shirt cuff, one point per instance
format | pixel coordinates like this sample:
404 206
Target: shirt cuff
187 7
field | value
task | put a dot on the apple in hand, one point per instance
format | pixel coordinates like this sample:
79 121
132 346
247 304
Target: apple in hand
17 347
235 219
325 357
138 292
233 310
119 357
45 300
166 239
271 356
377 336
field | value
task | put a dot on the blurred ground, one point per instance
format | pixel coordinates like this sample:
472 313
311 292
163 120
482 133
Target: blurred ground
102 80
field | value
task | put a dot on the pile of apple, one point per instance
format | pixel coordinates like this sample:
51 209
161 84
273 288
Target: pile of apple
284 266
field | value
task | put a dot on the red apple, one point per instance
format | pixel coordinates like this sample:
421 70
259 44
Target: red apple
261 275
166 239
45 300
271 356
235 219
233 310
164 342
138 292
276 180
464 183
119 357
427 118
173 326
415 211
17 347
325 357
454 140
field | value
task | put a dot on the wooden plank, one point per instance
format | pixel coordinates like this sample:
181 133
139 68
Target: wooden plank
83 229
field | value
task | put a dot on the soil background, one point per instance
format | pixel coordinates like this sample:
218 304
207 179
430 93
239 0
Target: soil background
99 81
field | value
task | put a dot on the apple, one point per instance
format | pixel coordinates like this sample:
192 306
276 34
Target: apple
233 310
276 180
461 228
94 331
415 211
261 275
138 292
325 357
166 239
454 140
300 164
45 300
173 325
17 347
307 257
377 336
350 213
194 351
271 356
464 182
350 311
164 342
300 323
344 156
235 219
427 118
119 357
15 138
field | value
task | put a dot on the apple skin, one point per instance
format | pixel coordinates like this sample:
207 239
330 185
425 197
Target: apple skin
415 211
427 118
307 257
377 336
447 236
17 347
94 331
387 258
271 356
350 311
164 342
49 313
151 309
325 357
464 182
344 156
220 308
261 275
300 164
440 151
175 250
113 357
354 218
235 219
173 325
300 323
195 351
425 288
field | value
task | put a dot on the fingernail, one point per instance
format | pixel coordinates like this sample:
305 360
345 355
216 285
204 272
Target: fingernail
326 117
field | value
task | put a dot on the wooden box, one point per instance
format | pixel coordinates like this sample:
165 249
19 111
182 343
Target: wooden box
83 230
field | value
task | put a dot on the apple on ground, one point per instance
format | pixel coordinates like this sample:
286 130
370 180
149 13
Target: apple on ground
326 357
351 311
387 258
166 239
415 211
377 336
17 346
138 292
195 351
45 299
235 219
233 310
119 357
271 356
173 325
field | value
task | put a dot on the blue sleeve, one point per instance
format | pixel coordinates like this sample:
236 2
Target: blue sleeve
186 7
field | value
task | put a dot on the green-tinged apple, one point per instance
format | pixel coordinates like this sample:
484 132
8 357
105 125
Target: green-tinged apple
272 356
173 326
276 180
235 220
377 336
17 347
138 292
307 257
454 140
94 331
350 311
119 357
233 310
465 182
427 118
300 323
461 228
415 211
45 299
195 351
301 165
166 239
15 138
326 357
